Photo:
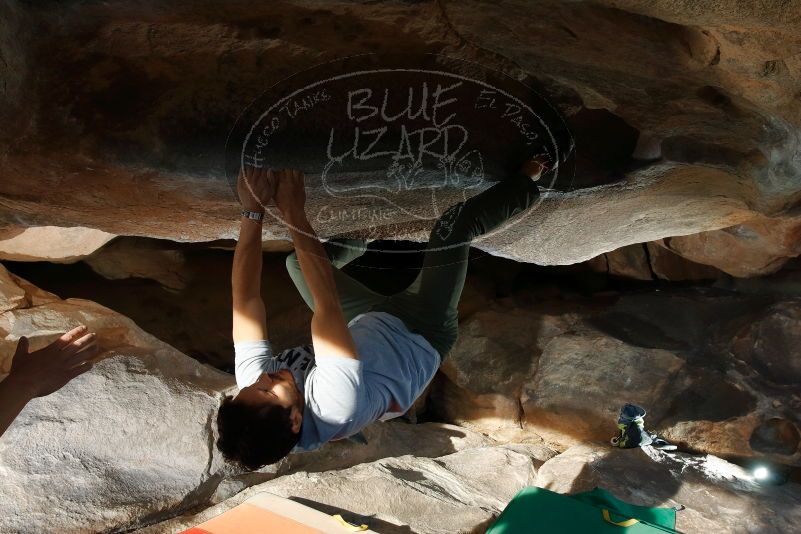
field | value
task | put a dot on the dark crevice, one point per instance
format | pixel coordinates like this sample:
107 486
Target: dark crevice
604 147
649 261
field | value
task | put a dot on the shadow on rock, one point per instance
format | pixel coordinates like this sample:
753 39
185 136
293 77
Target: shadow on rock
372 521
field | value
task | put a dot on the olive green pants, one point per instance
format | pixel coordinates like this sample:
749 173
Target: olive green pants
429 305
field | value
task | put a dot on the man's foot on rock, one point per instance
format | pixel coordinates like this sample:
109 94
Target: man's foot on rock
536 166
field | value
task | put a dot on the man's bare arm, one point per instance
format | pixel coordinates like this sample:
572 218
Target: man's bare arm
249 313
330 334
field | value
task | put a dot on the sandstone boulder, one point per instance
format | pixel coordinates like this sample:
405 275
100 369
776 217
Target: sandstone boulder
772 343
582 380
115 117
132 441
150 98
137 258
528 367
459 493
654 202
384 440
496 353
128 441
11 294
667 265
718 496
51 243
651 261
630 261
756 247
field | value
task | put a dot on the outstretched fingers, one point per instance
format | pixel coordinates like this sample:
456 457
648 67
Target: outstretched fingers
70 336
264 185
79 344
260 183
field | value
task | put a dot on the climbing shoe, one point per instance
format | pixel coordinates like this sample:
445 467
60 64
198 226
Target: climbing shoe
632 433
631 425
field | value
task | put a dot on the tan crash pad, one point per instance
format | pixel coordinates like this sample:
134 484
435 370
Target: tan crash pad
267 513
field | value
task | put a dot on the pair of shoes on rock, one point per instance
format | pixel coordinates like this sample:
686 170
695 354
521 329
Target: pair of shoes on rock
631 425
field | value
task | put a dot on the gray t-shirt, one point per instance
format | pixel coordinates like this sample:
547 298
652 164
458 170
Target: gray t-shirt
345 395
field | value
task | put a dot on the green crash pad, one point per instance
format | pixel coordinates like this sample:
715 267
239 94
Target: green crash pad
535 510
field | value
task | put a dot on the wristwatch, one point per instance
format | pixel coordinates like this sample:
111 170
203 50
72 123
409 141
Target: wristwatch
253 215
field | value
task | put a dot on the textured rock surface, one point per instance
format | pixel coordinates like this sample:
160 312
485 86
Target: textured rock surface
710 367
656 260
718 496
383 440
577 370
667 265
760 246
631 261
135 259
114 120
458 493
772 343
757 247
128 441
51 243
11 294
465 491
131 442
713 369
131 105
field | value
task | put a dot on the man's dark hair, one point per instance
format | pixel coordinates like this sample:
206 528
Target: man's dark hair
254 437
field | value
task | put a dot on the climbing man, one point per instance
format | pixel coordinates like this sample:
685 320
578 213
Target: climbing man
371 355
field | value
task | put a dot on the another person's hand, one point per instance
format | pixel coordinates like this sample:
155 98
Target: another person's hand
290 193
47 370
262 184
